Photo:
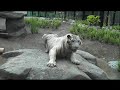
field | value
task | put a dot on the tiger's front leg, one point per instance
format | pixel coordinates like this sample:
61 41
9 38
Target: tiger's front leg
74 60
52 56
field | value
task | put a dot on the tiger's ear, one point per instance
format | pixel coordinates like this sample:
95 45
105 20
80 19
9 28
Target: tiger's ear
69 36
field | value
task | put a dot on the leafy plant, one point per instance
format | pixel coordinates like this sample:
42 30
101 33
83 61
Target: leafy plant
119 66
84 22
93 20
116 27
36 23
102 35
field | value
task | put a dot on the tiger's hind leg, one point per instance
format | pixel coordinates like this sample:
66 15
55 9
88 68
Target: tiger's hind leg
46 46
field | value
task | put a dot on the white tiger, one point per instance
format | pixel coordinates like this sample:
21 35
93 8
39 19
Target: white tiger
63 46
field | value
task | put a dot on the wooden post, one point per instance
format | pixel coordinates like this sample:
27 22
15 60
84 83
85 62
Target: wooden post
83 16
65 15
92 12
74 15
45 13
32 13
101 18
38 13
114 18
107 18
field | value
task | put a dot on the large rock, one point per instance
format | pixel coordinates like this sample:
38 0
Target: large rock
14 24
93 71
31 64
113 64
11 15
89 57
2 24
113 74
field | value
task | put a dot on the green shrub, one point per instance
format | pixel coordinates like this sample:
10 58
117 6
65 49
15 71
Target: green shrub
119 66
33 24
34 30
55 23
102 35
93 20
116 27
84 22
36 23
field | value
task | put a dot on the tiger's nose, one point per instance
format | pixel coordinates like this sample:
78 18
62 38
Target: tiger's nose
76 47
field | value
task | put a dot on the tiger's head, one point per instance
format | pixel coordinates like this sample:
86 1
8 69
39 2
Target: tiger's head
73 41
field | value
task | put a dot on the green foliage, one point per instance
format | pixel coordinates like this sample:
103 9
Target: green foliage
84 22
116 27
36 23
102 35
55 23
33 24
119 66
93 20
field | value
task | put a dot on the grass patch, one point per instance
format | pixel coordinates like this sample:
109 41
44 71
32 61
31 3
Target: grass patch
116 27
102 35
36 23
84 22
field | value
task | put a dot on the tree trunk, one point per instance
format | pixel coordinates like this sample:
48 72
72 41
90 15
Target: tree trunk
114 18
83 16
107 18
92 12
38 14
32 13
45 13
65 15
74 15
101 18
109 21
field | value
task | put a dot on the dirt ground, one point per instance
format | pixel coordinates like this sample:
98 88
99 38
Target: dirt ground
34 41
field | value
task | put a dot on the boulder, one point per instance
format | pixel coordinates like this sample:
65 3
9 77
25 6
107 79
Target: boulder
14 24
2 24
112 73
113 64
30 64
93 71
89 57
11 15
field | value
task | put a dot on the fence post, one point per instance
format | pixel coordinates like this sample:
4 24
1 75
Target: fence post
45 13
92 12
32 13
65 15
101 18
107 18
114 17
83 16
74 15
38 14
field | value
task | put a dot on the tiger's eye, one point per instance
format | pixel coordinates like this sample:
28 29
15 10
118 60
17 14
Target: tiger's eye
72 40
